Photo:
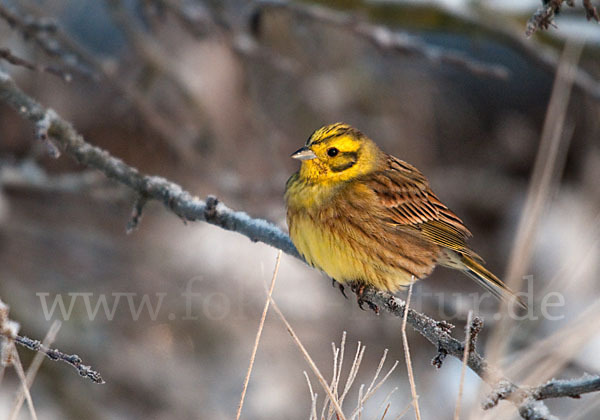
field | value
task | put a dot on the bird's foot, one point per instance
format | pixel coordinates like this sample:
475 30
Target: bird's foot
340 286
359 289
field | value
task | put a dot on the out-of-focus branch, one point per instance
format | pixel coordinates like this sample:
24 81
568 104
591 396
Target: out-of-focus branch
153 57
77 57
187 207
9 332
29 176
193 16
543 18
39 30
506 32
7 55
382 37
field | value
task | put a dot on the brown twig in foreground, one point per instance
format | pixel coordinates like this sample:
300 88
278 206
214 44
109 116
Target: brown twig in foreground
187 207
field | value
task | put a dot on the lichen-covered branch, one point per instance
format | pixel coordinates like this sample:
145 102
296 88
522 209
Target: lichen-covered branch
573 388
188 207
176 199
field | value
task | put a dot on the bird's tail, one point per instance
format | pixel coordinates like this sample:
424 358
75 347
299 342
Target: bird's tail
474 269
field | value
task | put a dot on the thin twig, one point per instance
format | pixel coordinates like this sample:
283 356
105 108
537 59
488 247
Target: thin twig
411 378
261 324
403 412
53 354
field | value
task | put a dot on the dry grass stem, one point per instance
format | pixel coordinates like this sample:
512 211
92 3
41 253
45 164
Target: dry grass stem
544 174
386 400
338 359
464 365
578 327
16 362
261 324
360 351
313 399
543 179
405 411
34 368
387 407
411 378
309 360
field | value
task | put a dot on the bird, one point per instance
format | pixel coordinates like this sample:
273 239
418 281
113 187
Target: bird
367 218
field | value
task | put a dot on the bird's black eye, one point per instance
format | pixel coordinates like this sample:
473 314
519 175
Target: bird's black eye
332 151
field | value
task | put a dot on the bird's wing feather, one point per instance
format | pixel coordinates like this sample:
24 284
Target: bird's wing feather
405 200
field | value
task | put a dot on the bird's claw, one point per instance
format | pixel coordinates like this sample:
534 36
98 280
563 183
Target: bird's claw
359 289
340 286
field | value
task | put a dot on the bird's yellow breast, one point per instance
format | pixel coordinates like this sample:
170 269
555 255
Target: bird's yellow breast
340 247
323 248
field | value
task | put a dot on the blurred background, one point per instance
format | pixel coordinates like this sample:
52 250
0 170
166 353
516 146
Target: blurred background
215 95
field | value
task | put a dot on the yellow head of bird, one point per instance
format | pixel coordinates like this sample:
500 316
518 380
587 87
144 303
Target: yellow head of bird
337 152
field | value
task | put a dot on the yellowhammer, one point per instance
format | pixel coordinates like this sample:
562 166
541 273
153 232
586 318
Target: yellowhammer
367 218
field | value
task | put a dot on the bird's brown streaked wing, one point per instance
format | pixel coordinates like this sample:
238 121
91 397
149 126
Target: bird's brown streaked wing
406 200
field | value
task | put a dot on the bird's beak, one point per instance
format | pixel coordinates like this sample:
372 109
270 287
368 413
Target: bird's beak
304 154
